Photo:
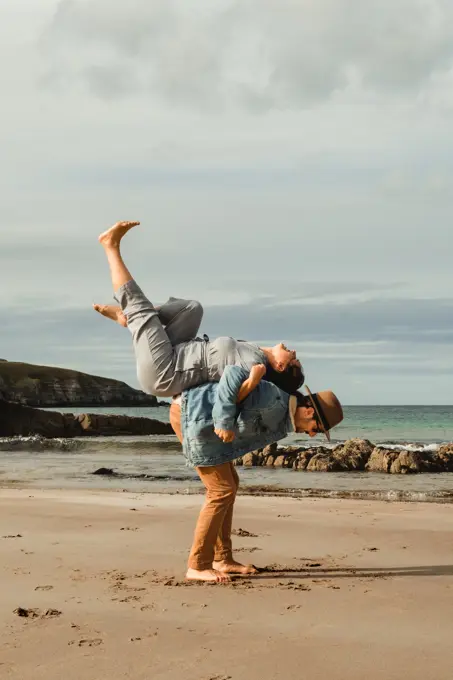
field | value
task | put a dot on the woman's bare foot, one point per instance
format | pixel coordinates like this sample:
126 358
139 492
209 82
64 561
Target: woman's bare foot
112 312
209 575
233 567
112 237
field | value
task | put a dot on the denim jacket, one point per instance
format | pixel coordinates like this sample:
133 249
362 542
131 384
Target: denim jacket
259 420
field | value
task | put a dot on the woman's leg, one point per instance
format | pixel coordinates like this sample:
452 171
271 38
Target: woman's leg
220 494
110 240
181 318
223 556
152 346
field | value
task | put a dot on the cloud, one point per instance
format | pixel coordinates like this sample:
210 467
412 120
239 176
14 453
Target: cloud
396 345
257 54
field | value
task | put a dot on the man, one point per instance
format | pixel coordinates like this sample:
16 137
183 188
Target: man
218 422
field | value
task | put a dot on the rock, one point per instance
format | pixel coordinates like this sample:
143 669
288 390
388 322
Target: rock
381 460
354 454
17 420
33 385
270 449
279 461
249 459
444 457
106 472
303 458
324 462
408 462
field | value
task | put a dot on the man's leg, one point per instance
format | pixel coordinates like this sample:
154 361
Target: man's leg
220 494
223 556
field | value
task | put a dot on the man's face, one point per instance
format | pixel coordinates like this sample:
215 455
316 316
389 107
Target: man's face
306 421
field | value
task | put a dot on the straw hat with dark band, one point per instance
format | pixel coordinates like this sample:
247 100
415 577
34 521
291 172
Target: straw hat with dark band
327 408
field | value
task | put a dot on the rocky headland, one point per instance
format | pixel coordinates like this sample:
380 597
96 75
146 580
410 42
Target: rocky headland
45 386
23 421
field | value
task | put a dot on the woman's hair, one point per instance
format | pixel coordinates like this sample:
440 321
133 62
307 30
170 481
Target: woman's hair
302 399
289 381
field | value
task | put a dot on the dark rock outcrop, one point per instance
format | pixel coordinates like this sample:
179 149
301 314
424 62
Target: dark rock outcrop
17 420
44 386
358 455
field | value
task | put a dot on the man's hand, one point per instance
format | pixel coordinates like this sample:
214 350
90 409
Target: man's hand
225 435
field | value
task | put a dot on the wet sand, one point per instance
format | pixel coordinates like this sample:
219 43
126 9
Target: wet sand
351 589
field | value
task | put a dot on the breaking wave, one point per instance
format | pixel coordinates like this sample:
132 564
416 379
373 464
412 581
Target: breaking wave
146 443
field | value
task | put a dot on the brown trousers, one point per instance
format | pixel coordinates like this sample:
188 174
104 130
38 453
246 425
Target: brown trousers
212 538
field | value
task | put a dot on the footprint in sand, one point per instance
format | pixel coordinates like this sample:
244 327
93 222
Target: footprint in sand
244 533
36 613
94 642
13 536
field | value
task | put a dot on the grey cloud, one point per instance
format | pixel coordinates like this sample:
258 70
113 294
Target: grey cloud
372 320
260 54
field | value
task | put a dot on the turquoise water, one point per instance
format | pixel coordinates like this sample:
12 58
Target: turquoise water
155 463
379 424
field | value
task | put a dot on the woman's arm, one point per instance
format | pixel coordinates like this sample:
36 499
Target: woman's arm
256 374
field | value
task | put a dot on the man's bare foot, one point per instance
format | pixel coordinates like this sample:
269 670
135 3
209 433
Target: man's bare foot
233 567
112 312
210 575
112 237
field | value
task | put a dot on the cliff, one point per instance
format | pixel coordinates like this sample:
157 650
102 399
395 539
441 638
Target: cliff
44 386
17 420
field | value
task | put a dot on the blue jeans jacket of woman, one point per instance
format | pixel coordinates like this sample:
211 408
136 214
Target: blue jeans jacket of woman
259 420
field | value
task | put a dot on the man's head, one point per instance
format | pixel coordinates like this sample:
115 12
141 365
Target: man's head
280 357
317 413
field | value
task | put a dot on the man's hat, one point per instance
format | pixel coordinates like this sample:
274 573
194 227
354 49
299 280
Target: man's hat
327 408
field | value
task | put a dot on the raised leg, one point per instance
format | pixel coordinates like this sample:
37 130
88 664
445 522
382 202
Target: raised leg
110 241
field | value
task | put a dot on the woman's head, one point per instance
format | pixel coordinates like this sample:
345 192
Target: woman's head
289 380
280 357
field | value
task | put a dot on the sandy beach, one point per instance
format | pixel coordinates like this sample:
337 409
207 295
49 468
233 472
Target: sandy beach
352 589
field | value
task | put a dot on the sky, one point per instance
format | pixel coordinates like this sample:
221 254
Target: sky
290 161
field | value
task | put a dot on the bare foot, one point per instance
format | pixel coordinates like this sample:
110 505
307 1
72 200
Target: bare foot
112 237
233 567
210 575
112 312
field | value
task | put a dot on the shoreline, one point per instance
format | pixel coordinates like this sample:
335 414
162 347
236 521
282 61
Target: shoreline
442 497
343 586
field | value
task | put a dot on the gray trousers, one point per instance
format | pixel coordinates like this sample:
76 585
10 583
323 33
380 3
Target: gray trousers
156 331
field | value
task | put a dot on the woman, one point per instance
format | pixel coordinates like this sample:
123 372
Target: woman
170 358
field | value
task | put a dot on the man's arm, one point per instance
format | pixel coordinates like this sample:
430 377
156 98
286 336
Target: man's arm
235 385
